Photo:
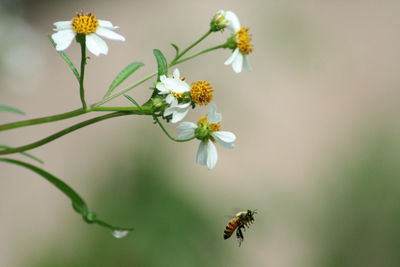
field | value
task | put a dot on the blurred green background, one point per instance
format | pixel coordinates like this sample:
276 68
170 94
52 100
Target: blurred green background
317 152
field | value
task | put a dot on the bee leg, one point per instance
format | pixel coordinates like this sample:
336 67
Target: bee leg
239 235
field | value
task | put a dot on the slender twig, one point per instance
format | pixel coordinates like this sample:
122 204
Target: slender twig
189 47
199 53
63 132
47 119
170 136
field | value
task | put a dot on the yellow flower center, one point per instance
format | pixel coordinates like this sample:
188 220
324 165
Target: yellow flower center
202 92
214 127
177 95
85 24
244 39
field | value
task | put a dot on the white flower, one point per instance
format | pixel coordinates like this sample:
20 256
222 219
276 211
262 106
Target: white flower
208 131
238 59
89 26
174 86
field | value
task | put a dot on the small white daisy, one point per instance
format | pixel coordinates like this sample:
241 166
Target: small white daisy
208 131
88 25
238 59
175 87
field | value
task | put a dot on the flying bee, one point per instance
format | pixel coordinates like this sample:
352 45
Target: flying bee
242 219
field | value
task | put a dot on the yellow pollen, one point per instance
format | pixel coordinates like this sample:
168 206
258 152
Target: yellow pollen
177 95
85 24
202 92
214 127
244 39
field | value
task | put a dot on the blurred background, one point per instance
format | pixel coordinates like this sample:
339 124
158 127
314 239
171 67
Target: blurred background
317 121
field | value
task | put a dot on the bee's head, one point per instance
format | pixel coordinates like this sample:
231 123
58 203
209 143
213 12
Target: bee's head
250 213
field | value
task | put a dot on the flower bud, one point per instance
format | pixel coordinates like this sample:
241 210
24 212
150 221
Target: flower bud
218 22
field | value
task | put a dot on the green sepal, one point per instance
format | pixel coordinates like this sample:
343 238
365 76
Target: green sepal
125 73
25 154
11 109
161 62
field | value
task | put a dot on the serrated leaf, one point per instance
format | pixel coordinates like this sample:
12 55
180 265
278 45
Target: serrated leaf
125 73
176 49
133 101
78 203
11 109
161 62
25 154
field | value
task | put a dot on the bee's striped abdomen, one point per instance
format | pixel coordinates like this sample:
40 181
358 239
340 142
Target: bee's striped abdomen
230 228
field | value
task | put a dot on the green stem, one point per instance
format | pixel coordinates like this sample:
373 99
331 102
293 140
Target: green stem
64 132
57 117
198 54
82 41
190 47
167 133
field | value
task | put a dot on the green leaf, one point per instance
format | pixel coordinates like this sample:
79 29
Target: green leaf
25 154
161 62
176 49
133 101
11 109
78 203
125 73
69 62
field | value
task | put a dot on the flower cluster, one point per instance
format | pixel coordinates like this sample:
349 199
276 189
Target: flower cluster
173 96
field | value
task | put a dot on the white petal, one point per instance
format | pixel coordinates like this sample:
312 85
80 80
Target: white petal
176 74
176 86
238 63
169 111
202 153
246 64
109 34
62 25
212 115
179 114
184 105
163 78
224 138
170 99
96 45
186 129
232 57
212 155
160 87
234 24
63 39
106 24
